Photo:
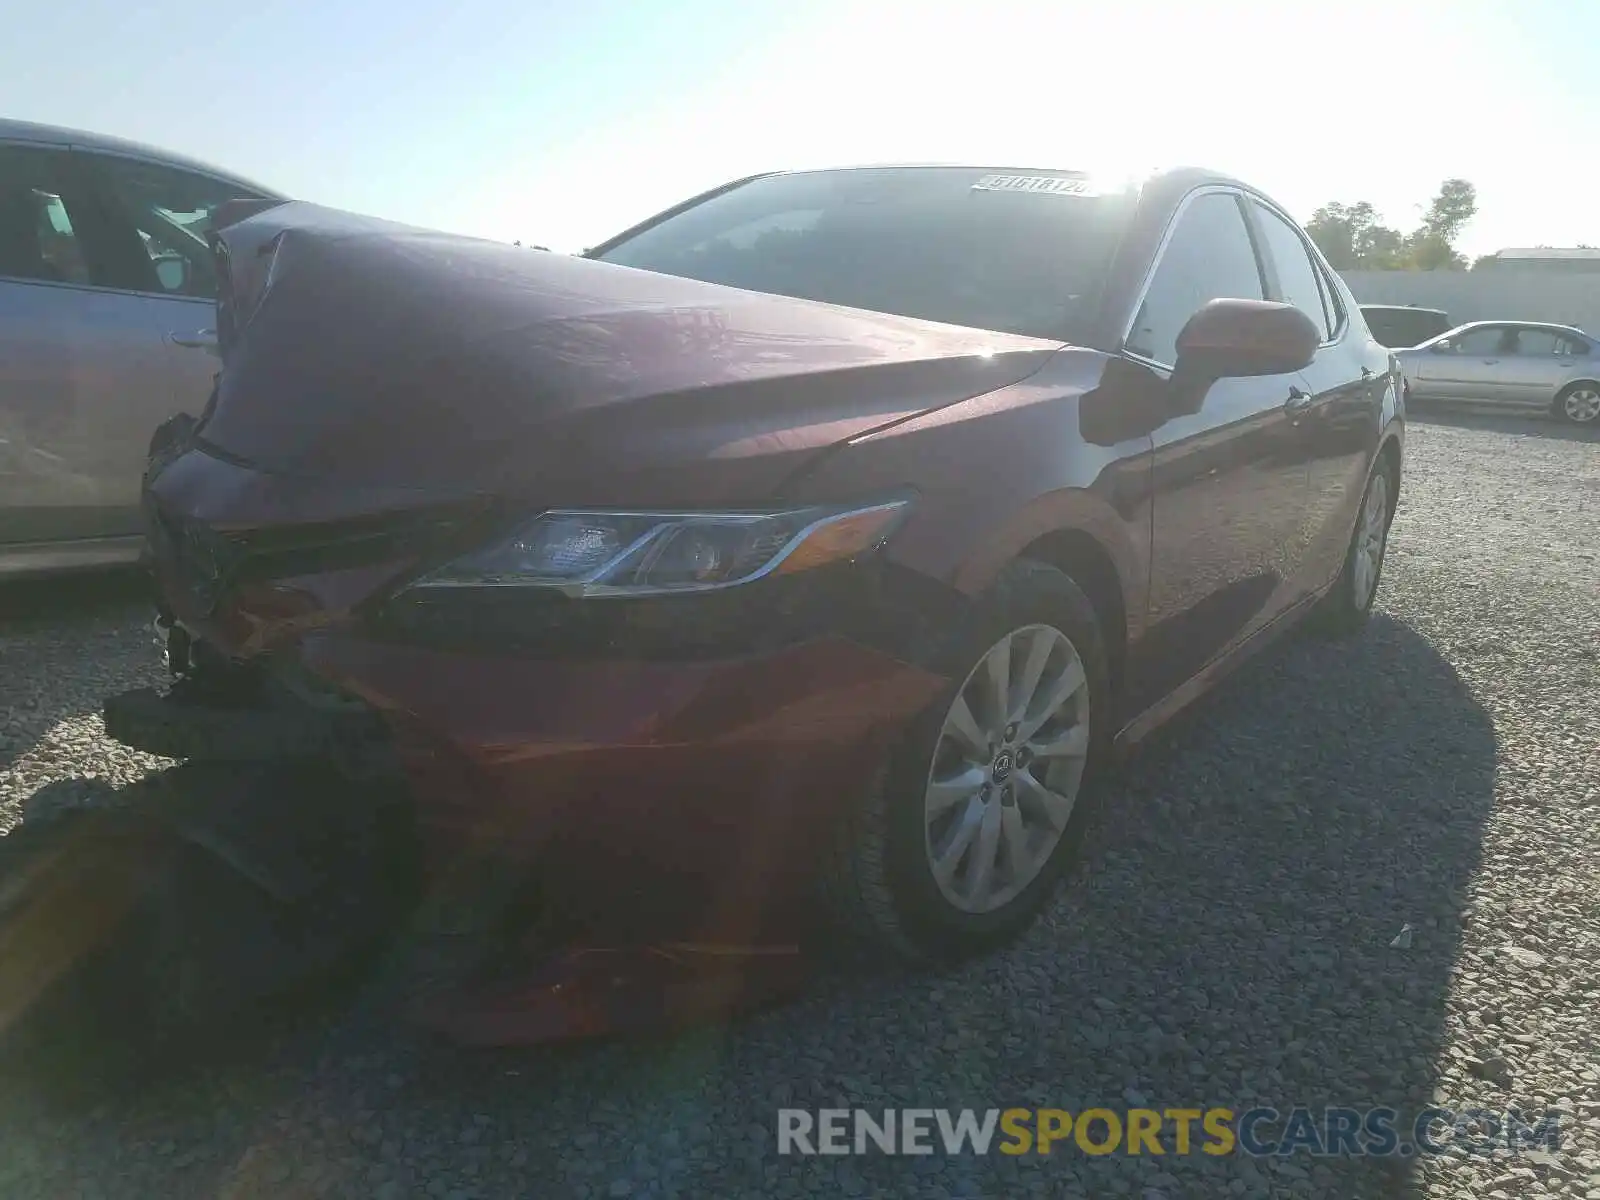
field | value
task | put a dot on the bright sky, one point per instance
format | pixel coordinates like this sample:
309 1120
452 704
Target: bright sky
561 121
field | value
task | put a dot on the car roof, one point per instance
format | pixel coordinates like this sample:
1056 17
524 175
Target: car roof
56 135
1572 329
1188 176
1402 308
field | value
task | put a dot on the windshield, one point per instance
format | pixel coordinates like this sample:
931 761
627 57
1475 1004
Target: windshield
1399 328
1017 253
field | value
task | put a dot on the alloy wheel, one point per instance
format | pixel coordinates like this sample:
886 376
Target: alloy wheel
1582 405
1007 769
1371 537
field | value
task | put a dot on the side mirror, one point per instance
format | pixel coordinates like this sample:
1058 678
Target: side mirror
1442 348
1246 337
172 270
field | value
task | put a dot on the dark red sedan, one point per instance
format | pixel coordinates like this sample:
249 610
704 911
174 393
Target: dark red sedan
822 535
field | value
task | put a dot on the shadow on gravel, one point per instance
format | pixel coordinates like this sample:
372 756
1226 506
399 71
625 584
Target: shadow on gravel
1225 943
86 593
1326 798
1526 426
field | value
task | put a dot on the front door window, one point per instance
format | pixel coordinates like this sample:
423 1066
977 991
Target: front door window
38 235
170 211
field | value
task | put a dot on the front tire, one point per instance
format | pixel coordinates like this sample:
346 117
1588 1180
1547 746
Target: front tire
1579 404
964 838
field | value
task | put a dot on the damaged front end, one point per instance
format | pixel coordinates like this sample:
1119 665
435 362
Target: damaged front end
355 765
277 636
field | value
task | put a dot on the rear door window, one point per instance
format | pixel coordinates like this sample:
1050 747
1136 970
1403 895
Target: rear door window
1539 343
1297 274
1549 343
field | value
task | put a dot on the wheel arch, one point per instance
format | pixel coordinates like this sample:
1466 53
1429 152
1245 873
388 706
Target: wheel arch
1572 383
1389 453
1390 456
1078 554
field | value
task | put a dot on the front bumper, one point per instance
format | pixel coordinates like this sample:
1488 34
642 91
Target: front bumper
635 785
647 796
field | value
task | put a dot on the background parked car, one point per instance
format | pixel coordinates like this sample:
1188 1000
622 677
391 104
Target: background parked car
107 292
1401 325
1509 363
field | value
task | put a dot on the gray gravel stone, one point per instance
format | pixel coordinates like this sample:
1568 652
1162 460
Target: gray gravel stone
1227 940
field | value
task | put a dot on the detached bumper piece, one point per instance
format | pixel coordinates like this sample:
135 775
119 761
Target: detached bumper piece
184 915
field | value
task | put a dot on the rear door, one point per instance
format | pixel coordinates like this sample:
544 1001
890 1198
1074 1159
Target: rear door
1544 359
1337 420
1229 468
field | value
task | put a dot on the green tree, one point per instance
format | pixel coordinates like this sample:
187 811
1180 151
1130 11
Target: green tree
1451 210
1351 237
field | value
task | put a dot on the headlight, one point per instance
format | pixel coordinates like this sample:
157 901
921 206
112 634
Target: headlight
642 553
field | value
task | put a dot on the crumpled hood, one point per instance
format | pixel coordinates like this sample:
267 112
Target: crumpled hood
386 355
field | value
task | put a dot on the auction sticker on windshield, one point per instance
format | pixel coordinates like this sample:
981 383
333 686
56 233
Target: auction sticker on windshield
1049 185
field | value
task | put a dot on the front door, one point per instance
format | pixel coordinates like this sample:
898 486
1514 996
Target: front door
75 356
1229 470
1472 366
107 309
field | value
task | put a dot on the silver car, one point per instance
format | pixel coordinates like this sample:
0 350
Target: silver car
1517 364
107 292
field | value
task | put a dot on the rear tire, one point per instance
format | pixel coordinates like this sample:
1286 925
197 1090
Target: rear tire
1578 404
1345 610
899 879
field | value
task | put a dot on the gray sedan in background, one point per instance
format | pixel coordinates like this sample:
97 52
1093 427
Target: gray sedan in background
107 294
1515 364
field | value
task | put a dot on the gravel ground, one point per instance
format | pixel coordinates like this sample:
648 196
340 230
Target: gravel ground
1229 941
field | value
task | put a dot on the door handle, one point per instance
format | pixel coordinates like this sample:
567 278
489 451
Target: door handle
1491 362
205 339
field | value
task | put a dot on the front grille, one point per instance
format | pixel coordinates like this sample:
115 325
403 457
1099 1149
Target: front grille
209 563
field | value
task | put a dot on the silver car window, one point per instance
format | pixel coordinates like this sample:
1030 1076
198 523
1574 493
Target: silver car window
1542 343
1481 341
171 211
